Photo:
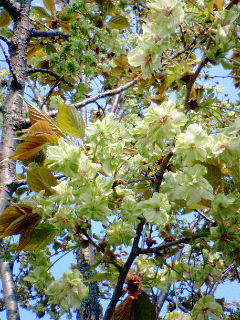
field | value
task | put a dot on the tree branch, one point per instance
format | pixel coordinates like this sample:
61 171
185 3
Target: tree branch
165 245
122 276
6 40
231 4
47 34
51 73
108 93
101 249
12 7
161 171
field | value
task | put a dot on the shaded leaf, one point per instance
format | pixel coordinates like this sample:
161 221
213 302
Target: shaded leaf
118 22
42 179
136 308
12 213
50 5
5 18
71 121
42 236
22 225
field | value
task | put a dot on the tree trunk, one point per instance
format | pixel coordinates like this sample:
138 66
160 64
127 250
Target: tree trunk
12 110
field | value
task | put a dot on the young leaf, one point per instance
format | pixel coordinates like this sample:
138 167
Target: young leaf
5 18
118 22
37 115
42 12
42 126
42 179
50 5
29 148
71 121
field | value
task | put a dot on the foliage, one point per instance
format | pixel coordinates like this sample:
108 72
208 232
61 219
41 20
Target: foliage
155 167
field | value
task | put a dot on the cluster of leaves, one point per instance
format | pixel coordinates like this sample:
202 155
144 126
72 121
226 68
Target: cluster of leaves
153 161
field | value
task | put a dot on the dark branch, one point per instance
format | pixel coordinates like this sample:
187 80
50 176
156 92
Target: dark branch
165 245
6 40
161 171
49 33
231 4
122 277
51 73
12 7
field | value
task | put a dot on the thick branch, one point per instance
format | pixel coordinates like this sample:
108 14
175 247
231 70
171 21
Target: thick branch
48 34
122 277
12 7
51 73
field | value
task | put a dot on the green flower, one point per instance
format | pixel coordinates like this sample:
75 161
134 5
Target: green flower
178 315
207 308
120 233
156 209
169 12
192 145
188 185
67 292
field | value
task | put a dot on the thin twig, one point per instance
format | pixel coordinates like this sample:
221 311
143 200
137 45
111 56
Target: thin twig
166 245
100 249
231 4
51 73
36 94
104 94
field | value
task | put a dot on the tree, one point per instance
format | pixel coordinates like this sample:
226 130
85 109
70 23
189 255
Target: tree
151 158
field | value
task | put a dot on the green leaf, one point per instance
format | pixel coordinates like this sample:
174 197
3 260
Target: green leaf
5 18
102 276
43 235
50 5
71 121
41 12
42 179
118 22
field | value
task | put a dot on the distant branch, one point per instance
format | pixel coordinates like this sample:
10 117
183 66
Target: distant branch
51 73
108 93
49 33
12 7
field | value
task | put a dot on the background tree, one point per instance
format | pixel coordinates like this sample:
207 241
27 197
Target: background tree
125 131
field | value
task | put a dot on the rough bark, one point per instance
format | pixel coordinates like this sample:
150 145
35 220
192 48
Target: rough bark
12 110
90 309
